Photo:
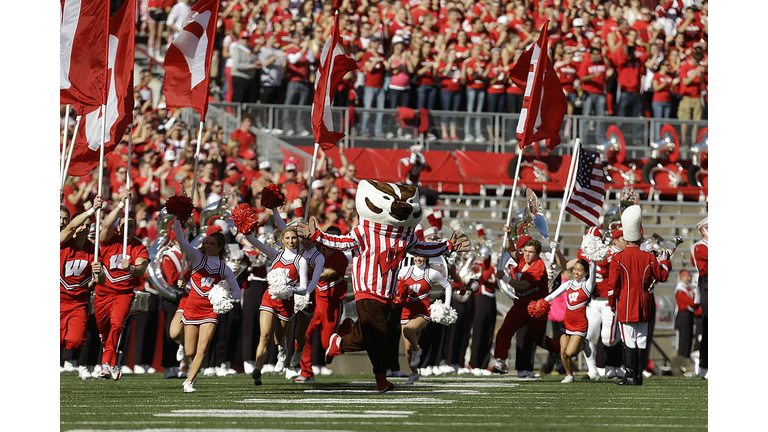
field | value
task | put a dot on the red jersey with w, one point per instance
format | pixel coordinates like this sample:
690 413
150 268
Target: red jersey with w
204 276
120 281
337 288
75 272
377 251
292 266
419 286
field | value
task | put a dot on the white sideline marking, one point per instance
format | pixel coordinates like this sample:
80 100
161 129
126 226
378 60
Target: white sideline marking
197 430
420 401
397 391
310 414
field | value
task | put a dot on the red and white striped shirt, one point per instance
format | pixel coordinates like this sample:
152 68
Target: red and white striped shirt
377 251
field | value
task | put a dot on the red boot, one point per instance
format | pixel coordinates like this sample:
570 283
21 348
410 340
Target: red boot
382 383
334 348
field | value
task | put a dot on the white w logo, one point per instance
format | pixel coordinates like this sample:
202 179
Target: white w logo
206 282
74 268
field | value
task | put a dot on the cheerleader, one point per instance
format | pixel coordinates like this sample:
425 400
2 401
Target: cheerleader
199 317
418 278
275 314
579 290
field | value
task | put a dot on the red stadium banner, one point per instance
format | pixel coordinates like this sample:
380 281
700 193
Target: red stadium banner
188 60
334 64
119 105
544 103
83 52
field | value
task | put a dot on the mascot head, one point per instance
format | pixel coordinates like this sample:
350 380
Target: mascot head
388 203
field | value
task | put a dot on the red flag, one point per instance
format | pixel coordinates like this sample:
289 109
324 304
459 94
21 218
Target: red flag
188 60
586 201
83 52
119 105
334 64
544 103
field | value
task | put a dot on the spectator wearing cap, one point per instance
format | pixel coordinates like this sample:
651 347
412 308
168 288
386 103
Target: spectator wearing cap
272 60
373 93
576 38
292 182
244 68
249 167
243 134
401 70
299 89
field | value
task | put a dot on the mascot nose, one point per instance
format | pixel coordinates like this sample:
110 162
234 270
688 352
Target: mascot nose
405 208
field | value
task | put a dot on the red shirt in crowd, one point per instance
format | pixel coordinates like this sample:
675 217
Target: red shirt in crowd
567 74
664 94
596 84
452 80
693 89
375 77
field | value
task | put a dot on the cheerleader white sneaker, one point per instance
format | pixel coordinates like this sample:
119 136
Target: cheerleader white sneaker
412 378
415 357
180 354
189 387
83 373
248 366
567 379
139 369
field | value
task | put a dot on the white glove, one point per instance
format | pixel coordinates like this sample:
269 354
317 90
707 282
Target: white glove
554 244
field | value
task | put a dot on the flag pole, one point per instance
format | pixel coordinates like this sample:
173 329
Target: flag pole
512 199
128 186
567 191
64 146
69 153
311 179
101 178
197 157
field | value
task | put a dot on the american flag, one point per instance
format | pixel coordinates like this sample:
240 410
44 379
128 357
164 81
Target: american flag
587 198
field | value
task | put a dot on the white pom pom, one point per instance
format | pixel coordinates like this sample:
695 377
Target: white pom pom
300 302
278 284
443 314
594 248
220 299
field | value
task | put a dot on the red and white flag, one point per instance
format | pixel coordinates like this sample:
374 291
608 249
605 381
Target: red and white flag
544 103
119 105
586 201
334 64
188 60
83 52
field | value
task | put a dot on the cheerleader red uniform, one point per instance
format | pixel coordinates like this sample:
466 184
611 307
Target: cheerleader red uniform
419 281
578 295
283 309
112 302
207 271
74 276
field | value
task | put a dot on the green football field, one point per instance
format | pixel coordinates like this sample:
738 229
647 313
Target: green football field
351 402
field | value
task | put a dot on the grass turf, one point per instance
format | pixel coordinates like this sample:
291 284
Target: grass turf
351 402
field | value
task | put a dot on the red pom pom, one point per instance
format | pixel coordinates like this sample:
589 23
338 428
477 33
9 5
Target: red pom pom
402 292
245 219
539 308
180 206
272 197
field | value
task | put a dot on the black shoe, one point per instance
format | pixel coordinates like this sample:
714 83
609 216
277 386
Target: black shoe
256 374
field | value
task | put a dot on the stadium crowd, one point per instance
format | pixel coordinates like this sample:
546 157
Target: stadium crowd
614 57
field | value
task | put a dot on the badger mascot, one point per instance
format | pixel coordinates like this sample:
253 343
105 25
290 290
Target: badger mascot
388 215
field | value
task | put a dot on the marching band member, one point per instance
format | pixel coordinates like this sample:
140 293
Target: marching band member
484 322
602 320
113 299
579 292
76 280
418 279
329 298
199 317
700 254
631 276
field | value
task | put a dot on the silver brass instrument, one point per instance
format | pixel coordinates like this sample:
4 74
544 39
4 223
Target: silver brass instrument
675 177
659 247
156 251
698 170
611 221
